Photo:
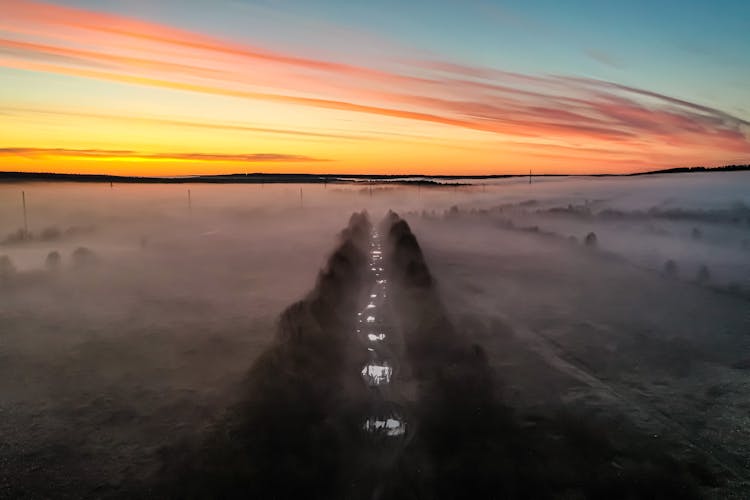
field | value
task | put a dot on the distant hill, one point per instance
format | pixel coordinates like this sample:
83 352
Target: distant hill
254 178
262 178
682 170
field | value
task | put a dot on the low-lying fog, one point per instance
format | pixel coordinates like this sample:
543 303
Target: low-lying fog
130 314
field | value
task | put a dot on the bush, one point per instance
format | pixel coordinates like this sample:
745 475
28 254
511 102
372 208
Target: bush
670 268
82 256
50 234
53 260
704 275
18 236
591 240
452 211
7 269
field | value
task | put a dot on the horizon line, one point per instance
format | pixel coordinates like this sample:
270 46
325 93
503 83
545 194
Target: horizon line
330 177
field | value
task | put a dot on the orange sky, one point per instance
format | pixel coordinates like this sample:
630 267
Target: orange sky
92 92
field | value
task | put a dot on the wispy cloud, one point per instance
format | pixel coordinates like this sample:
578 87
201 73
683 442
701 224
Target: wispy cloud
109 154
203 124
603 58
570 111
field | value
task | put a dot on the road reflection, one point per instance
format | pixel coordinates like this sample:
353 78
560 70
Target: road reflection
373 328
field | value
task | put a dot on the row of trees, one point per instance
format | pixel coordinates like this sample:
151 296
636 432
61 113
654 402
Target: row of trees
79 258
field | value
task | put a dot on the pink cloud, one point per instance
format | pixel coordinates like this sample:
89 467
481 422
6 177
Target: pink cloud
136 155
569 110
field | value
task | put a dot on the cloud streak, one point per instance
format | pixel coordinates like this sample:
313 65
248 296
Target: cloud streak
571 111
147 120
109 154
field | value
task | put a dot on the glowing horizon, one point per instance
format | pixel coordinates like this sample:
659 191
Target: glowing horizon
107 92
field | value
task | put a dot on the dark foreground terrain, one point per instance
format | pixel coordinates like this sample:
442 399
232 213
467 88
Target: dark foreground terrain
148 348
299 429
302 421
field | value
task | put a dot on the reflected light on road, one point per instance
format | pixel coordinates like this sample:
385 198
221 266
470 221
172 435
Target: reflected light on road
390 426
375 374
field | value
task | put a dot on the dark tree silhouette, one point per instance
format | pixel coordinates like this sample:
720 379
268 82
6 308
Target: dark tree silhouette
53 261
704 275
83 256
591 240
50 234
7 269
18 236
670 268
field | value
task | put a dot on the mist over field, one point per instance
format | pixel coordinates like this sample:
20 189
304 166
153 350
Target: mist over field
568 337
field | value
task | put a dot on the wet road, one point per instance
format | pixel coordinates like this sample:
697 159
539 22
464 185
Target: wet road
385 422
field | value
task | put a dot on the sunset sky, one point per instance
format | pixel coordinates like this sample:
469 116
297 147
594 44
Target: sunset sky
177 87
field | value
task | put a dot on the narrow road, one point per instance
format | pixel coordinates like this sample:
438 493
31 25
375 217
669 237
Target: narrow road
385 423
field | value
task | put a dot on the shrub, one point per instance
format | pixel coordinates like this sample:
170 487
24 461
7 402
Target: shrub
704 275
7 269
670 268
50 234
53 260
82 256
591 240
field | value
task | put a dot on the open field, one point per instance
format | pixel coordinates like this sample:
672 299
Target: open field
153 347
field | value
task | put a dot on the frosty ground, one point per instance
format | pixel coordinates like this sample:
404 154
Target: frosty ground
111 357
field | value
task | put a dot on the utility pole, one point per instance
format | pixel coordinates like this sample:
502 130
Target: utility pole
529 176
190 204
25 220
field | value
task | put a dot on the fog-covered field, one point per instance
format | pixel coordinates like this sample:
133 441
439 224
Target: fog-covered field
610 318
